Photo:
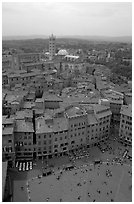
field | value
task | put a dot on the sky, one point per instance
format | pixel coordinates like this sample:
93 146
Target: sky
67 18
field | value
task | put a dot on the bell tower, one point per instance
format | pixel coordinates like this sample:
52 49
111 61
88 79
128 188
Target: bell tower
52 46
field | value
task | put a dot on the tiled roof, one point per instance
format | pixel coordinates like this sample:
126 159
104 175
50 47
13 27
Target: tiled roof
22 126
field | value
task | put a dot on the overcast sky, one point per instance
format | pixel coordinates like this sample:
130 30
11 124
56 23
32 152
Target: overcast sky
76 18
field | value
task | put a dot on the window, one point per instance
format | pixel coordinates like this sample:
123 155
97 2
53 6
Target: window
64 148
38 136
44 142
9 141
56 139
56 133
39 143
44 136
49 141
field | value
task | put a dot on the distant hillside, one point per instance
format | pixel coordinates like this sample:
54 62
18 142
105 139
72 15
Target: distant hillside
125 39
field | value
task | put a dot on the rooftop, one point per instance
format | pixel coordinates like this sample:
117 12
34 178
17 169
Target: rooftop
26 54
100 108
22 126
72 56
7 121
41 126
30 74
14 75
39 100
7 131
25 113
29 105
75 111
126 110
35 63
128 94
51 97
60 124
4 118
91 119
38 111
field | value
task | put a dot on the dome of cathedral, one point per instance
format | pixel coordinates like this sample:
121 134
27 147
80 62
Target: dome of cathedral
62 52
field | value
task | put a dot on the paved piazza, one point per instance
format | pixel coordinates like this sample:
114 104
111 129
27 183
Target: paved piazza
104 182
86 184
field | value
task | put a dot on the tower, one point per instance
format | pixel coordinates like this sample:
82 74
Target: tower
52 47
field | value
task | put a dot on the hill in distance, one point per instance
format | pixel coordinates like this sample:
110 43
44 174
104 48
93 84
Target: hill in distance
125 39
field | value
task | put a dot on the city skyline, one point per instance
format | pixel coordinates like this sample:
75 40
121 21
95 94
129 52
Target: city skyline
68 18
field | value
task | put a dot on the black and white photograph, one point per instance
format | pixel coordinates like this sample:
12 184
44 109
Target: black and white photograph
66 101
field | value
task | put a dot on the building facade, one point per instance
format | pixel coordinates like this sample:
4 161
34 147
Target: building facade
23 138
8 149
125 131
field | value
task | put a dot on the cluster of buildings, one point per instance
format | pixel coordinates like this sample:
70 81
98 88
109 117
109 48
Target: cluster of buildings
96 56
51 107
109 55
56 131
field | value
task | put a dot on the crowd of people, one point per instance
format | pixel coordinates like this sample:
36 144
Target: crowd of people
85 153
